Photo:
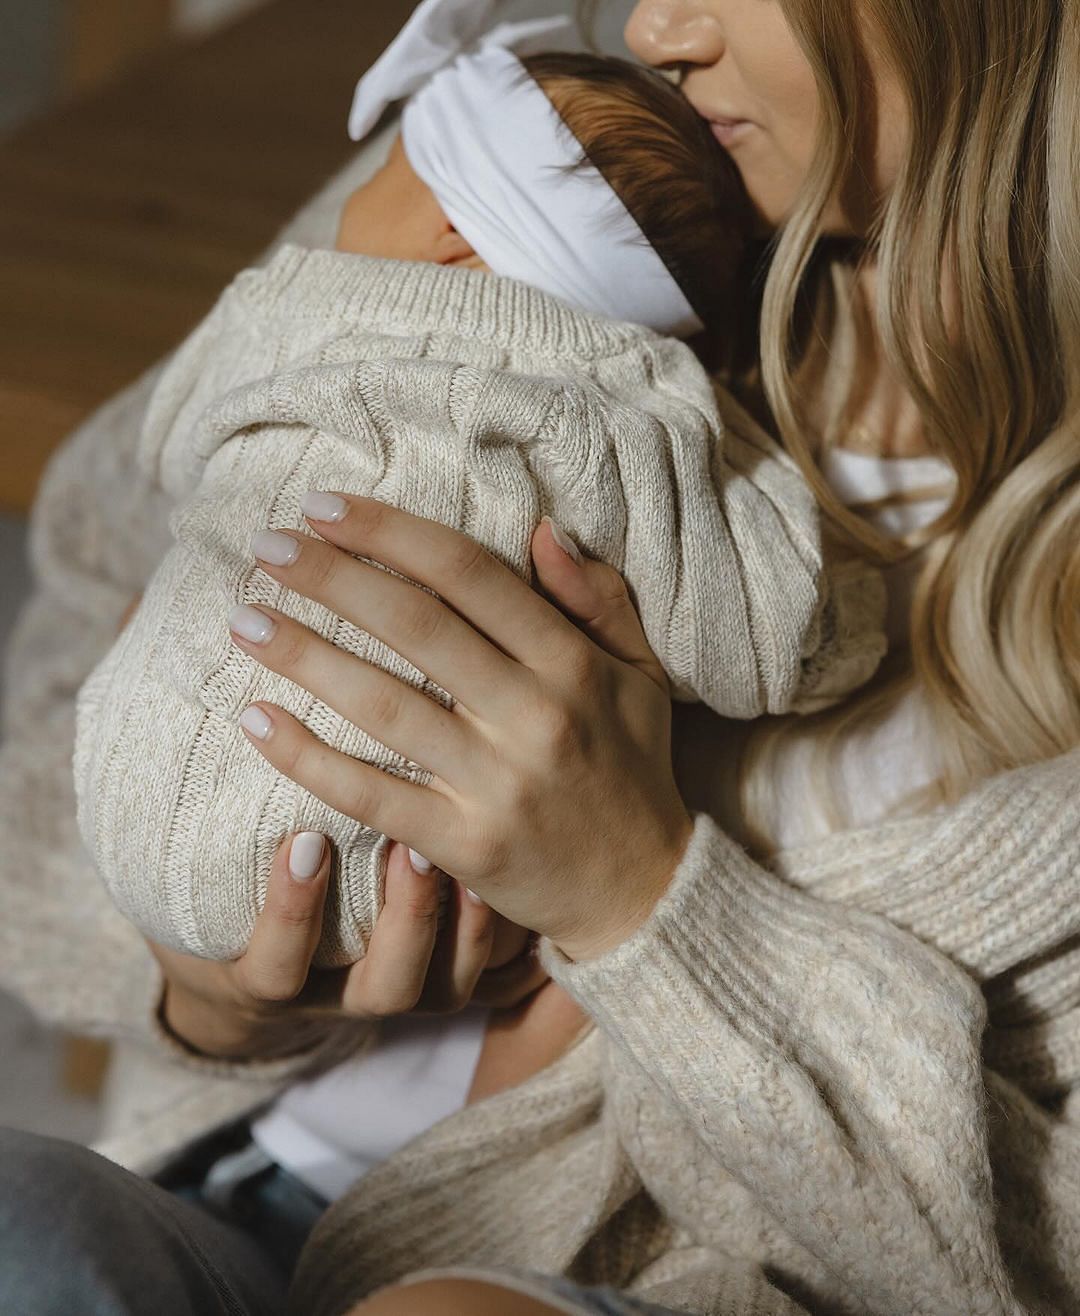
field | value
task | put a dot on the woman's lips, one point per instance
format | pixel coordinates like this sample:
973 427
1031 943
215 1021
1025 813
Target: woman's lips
728 132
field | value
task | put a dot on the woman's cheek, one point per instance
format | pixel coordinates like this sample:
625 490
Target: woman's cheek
774 171
771 187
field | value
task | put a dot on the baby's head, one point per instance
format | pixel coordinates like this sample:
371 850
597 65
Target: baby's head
395 215
634 129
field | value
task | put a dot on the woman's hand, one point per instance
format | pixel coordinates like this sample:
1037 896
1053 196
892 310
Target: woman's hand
552 795
270 1003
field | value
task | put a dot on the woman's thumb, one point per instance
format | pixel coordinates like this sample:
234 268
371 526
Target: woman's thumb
594 595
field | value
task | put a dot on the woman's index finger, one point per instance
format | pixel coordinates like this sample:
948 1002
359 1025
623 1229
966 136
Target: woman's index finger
483 590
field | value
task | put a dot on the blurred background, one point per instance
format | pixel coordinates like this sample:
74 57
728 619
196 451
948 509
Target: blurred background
149 149
52 48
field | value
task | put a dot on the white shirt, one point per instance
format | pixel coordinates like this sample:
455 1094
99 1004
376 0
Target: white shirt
331 1130
879 766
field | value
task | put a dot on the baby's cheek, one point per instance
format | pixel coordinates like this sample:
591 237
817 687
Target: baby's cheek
351 225
343 242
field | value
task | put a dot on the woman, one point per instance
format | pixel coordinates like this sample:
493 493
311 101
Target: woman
835 1075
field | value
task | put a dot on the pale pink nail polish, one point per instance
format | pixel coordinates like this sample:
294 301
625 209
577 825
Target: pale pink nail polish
564 541
305 856
255 720
273 547
322 506
251 624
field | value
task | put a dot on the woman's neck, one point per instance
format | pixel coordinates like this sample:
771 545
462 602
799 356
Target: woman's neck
886 422
895 432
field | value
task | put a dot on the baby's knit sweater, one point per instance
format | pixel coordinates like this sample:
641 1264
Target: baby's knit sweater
846 1082
483 403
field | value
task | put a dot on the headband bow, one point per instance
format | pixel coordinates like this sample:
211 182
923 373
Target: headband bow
506 170
436 33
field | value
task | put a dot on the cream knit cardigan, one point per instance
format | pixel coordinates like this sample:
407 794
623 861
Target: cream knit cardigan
841 1084
483 403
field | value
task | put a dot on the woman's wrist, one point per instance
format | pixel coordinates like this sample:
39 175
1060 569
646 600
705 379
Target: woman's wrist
204 1031
192 1026
625 917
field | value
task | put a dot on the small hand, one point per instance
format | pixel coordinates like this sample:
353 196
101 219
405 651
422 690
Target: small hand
552 794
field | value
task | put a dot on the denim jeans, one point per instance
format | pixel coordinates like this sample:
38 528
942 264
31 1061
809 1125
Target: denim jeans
79 1234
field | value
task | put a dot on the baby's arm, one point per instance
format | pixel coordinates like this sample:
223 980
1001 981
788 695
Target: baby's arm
211 806
717 542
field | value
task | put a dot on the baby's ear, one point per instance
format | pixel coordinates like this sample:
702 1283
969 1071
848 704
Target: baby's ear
452 249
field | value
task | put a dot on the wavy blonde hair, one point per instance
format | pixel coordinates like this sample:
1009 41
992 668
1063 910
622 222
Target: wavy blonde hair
987 205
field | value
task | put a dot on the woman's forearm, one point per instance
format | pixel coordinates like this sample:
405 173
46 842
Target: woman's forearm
819 1054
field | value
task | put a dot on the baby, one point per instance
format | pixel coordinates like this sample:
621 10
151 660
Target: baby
490 343
660 163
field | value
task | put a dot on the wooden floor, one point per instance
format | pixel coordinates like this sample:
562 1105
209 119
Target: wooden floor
124 213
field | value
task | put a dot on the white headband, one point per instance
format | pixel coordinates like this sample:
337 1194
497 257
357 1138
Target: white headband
506 170
436 33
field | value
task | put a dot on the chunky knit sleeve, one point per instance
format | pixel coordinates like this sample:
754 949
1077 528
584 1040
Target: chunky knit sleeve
97 530
827 1063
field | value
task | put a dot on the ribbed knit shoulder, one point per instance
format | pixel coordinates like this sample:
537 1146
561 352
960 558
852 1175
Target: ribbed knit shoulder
405 296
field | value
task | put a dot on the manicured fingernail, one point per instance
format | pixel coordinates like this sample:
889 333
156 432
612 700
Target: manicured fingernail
255 720
322 506
564 541
251 624
277 549
418 862
479 900
305 855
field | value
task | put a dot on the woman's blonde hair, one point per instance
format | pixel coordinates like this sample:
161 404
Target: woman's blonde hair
977 248
977 256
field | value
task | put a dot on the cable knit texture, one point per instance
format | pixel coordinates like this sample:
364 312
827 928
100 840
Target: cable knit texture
484 404
846 1085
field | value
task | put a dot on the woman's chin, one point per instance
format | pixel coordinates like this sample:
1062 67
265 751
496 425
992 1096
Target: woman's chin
730 133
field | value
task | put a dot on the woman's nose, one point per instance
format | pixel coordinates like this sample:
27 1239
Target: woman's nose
674 32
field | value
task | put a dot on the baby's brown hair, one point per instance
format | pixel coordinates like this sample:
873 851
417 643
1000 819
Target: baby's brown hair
659 156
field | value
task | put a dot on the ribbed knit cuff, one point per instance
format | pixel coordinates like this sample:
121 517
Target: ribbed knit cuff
727 935
687 909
